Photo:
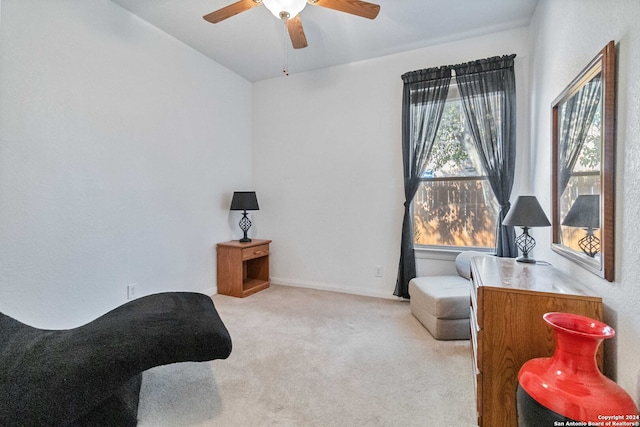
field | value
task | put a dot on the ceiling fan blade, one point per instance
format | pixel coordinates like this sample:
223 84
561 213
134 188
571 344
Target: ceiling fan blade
232 9
298 39
354 7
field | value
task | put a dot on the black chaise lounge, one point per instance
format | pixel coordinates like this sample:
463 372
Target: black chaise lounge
91 375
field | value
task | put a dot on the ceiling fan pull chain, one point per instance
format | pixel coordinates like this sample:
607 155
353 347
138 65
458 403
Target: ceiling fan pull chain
285 52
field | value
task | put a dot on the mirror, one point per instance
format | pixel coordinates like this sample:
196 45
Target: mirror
583 167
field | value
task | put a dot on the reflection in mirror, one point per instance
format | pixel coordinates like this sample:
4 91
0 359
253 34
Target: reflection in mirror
583 167
584 214
579 136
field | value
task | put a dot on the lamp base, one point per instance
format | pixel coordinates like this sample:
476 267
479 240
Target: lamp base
526 259
525 243
245 225
590 244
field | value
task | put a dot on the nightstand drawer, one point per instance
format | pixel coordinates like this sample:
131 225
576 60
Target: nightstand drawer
255 252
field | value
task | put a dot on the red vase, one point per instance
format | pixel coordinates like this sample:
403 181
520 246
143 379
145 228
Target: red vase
568 386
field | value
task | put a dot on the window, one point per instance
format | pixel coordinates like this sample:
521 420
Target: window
454 205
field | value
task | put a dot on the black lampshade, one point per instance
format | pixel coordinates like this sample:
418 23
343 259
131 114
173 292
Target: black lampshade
244 201
585 212
526 212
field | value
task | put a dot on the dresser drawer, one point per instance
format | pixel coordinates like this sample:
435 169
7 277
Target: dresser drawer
255 252
474 342
474 302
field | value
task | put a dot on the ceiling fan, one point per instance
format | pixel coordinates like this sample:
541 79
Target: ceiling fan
288 11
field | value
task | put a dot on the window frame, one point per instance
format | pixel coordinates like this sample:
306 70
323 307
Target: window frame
430 251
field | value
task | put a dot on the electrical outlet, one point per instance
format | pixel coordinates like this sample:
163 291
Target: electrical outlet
378 271
131 291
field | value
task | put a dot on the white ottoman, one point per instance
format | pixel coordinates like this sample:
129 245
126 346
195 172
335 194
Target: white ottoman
441 303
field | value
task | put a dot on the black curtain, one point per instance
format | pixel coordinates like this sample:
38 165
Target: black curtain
488 92
423 99
574 121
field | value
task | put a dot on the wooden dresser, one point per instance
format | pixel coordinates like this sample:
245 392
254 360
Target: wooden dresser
508 300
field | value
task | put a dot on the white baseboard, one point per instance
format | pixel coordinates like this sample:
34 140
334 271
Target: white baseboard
332 288
210 291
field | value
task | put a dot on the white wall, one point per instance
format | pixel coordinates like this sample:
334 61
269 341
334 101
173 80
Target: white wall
566 36
328 164
119 150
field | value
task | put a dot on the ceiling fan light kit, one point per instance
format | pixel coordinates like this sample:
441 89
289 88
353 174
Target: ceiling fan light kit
285 9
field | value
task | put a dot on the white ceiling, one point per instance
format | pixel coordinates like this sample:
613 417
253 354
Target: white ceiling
252 44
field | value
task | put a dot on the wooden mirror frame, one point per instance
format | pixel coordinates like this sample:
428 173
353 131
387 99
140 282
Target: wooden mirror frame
605 63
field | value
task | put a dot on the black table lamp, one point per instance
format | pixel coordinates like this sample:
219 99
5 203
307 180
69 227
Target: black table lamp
585 213
526 212
244 201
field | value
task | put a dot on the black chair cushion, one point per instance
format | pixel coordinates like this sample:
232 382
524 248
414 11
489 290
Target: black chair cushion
61 377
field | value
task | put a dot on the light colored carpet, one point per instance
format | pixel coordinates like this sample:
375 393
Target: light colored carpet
310 358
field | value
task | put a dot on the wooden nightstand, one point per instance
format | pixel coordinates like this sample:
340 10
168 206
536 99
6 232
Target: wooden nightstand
243 268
